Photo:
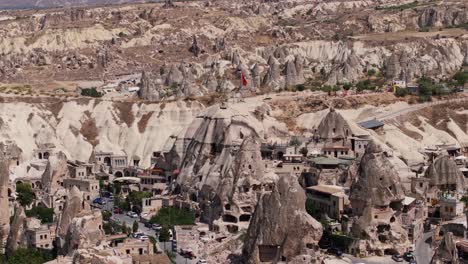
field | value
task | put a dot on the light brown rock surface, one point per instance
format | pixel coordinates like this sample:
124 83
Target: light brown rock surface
376 199
17 237
5 213
280 222
443 172
447 251
78 226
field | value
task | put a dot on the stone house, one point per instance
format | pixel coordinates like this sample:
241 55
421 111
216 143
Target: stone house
413 215
134 247
41 237
89 187
451 207
329 199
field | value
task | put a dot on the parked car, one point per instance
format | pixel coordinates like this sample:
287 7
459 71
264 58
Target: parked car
117 210
397 258
143 237
132 214
202 261
148 225
99 201
335 251
408 256
137 235
156 227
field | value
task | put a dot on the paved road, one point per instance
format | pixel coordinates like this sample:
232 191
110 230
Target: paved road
370 260
415 107
423 251
164 246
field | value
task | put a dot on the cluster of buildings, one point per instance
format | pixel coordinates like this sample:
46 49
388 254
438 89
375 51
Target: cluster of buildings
54 179
348 179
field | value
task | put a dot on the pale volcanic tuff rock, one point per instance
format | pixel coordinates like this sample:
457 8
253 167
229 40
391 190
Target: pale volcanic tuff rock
443 171
333 126
447 251
150 86
56 170
280 222
17 237
376 198
5 214
378 183
214 166
78 226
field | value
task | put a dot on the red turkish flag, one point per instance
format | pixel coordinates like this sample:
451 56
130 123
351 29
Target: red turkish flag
244 81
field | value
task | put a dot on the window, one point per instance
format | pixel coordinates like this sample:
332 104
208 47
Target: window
40 237
45 236
421 185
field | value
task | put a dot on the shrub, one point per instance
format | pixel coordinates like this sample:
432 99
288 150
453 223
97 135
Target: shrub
461 78
171 216
347 86
25 195
91 92
300 87
106 215
46 215
401 92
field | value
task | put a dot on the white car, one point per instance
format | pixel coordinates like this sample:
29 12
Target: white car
143 237
137 235
132 214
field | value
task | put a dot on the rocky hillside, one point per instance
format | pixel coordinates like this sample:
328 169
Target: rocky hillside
20 4
202 47
77 127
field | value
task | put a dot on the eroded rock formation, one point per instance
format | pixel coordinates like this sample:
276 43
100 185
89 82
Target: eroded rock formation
333 126
444 173
5 215
221 165
78 226
280 227
17 237
447 251
376 199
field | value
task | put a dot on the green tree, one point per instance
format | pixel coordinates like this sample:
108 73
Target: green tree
347 86
135 198
135 226
91 92
46 215
371 72
106 215
124 227
27 256
364 85
304 151
153 241
401 92
171 216
25 195
300 87
164 234
295 142
461 78
107 228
